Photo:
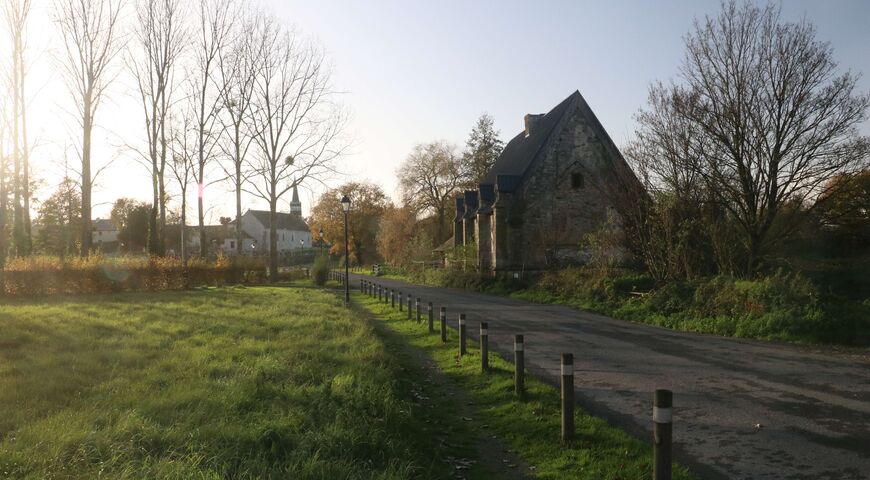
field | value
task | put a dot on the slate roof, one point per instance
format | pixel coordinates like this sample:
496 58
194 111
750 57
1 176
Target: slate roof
519 153
508 172
286 221
104 224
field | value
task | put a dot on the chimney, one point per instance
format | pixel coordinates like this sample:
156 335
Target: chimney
531 120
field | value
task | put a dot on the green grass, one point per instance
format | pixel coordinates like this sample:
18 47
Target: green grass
827 305
532 426
226 383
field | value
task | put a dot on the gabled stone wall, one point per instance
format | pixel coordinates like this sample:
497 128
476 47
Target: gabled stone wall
566 195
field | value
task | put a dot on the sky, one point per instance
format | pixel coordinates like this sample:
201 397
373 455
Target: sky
414 72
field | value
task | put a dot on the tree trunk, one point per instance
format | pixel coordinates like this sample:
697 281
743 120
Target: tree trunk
25 166
183 227
161 232
439 229
3 205
152 213
86 179
17 223
203 248
273 240
161 226
238 161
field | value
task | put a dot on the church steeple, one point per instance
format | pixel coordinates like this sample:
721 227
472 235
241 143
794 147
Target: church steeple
295 204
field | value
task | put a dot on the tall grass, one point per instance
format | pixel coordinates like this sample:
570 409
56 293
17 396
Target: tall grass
229 383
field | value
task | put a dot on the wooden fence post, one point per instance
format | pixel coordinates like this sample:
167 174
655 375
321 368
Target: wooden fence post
484 347
443 320
431 315
519 366
418 310
401 307
567 397
462 350
662 434
410 307
392 298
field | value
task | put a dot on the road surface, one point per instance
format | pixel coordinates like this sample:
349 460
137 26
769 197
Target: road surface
743 409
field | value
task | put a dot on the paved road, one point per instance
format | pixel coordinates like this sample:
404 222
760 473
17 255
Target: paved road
813 405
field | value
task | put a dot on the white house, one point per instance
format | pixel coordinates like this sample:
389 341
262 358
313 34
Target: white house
293 233
103 232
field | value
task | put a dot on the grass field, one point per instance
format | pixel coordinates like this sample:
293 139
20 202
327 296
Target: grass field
530 427
218 383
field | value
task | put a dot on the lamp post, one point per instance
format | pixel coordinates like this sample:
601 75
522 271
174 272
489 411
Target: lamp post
345 205
321 242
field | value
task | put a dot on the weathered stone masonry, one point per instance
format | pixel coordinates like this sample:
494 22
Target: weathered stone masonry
554 183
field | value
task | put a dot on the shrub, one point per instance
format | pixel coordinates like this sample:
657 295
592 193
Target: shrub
320 270
45 275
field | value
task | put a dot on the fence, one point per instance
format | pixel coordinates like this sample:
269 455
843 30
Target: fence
662 407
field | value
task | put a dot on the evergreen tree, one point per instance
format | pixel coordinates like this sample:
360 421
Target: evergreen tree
60 219
481 150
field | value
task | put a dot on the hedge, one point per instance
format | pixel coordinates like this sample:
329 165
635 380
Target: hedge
43 275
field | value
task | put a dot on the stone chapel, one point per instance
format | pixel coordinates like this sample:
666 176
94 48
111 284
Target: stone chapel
555 182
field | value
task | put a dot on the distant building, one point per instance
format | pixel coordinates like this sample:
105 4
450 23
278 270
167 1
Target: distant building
554 183
293 233
104 234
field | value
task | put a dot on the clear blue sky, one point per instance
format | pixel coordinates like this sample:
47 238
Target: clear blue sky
422 71
415 71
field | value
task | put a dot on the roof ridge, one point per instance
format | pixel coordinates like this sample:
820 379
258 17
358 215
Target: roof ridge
558 126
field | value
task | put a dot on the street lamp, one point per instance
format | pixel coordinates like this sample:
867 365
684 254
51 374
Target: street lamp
321 242
345 205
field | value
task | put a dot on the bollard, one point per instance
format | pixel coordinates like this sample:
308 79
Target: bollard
392 298
519 366
443 319
431 319
400 301
462 350
662 434
418 309
567 397
409 307
379 292
484 347
387 294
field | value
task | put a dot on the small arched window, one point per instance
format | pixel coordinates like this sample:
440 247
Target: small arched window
576 180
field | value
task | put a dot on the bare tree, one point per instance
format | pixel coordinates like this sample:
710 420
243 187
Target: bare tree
4 193
183 167
91 41
429 179
297 129
238 65
775 118
16 13
212 36
160 40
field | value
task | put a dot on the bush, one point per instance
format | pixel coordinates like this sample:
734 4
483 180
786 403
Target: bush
45 275
783 306
320 270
